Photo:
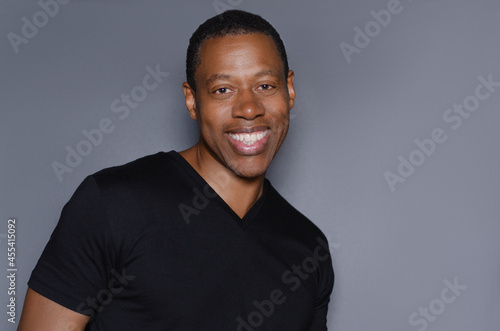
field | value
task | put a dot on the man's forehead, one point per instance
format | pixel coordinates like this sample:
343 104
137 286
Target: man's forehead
236 39
223 45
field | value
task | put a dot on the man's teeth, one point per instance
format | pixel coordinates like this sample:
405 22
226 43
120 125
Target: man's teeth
249 138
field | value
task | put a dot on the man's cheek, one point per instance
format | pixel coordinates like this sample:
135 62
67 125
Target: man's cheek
283 121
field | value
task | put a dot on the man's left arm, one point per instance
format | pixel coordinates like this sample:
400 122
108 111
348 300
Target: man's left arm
319 320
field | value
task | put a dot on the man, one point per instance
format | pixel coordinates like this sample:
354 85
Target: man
196 240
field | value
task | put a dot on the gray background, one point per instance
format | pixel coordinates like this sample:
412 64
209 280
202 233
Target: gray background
392 250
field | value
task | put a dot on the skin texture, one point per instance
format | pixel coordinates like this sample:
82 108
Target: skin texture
42 314
240 85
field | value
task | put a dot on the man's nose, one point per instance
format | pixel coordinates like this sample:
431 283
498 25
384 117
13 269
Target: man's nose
248 106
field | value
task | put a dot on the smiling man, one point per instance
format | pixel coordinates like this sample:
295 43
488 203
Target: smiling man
196 240
241 98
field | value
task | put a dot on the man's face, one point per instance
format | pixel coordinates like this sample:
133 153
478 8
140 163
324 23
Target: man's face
242 102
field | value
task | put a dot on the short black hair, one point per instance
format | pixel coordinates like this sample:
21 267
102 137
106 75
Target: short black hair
232 22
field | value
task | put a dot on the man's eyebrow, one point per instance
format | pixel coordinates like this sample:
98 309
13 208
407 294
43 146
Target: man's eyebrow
267 72
214 77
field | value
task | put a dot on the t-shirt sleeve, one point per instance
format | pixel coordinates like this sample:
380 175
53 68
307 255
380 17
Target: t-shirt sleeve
319 320
77 260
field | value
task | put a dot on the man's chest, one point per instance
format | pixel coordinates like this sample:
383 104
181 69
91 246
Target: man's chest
194 276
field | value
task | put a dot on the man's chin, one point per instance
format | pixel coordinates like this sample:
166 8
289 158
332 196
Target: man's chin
250 171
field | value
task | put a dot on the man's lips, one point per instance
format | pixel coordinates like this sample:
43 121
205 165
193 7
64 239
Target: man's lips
249 138
249 141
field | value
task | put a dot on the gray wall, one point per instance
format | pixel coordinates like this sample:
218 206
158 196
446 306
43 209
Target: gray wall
413 230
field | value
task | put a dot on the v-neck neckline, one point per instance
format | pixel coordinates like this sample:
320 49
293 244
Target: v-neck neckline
201 182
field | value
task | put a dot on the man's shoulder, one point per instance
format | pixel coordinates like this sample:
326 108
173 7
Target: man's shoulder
145 177
294 221
135 167
146 168
137 191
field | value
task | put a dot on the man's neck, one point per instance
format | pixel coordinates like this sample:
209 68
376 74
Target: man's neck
239 193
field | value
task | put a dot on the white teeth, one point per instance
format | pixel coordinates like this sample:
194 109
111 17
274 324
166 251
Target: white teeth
248 138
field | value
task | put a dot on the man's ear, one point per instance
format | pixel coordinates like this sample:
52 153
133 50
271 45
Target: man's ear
190 100
291 89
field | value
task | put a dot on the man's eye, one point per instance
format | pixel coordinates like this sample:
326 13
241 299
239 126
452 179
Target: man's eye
221 90
266 87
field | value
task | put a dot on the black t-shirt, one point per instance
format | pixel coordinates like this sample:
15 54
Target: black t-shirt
150 246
